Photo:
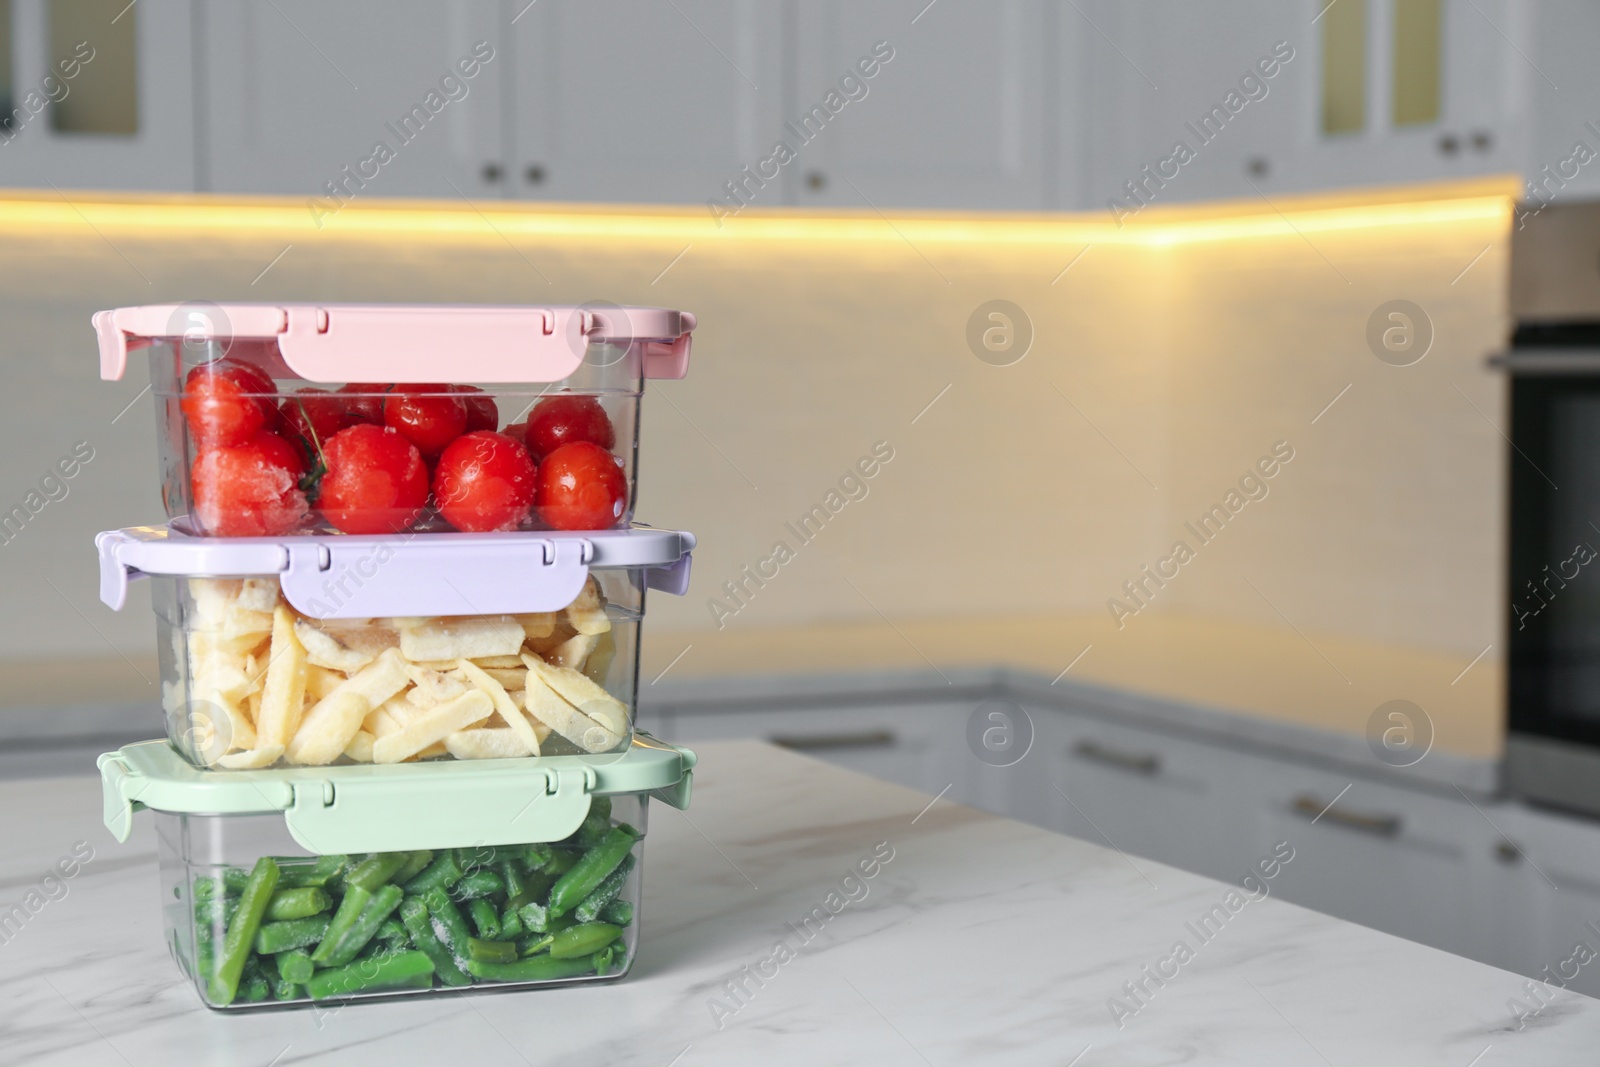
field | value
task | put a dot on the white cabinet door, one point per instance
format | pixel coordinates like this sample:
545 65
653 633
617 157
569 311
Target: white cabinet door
950 118
1402 861
916 745
363 98
660 101
1560 100
155 151
1550 900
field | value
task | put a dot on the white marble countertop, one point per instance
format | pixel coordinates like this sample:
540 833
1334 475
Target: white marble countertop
981 941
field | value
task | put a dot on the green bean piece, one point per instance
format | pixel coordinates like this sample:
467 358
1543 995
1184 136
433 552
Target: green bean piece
257 892
298 903
384 972
235 878
447 917
605 892
510 924
604 958
591 870
354 903
393 932
207 888
478 857
561 861
442 873
485 951
480 883
592 830
535 857
602 805
585 939
532 946
414 913
514 877
414 865
295 966
273 938
535 888
218 911
485 919
255 989
371 873
618 913
532 969
317 874
364 929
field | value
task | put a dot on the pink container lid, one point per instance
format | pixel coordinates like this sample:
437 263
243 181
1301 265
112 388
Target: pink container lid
404 342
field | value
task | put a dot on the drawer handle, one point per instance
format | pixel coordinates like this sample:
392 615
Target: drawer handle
822 742
1313 808
1137 762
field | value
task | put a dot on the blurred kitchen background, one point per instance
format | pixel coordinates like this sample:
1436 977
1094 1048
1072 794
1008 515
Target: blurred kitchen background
986 264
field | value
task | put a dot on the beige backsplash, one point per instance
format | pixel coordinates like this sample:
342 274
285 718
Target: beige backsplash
1165 363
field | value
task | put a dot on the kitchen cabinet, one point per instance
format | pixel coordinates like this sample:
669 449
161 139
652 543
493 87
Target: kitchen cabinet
119 115
614 100
1549 865
952 116
352 100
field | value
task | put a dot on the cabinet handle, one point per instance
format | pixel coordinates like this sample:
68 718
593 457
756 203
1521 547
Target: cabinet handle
534 175
491 172
1137 762
1314 808
822 742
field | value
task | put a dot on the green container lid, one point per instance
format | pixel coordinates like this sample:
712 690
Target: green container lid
363 808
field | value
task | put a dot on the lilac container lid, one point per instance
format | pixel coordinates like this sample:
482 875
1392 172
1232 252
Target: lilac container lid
358 577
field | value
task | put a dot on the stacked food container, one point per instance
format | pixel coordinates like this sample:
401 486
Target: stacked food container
398 628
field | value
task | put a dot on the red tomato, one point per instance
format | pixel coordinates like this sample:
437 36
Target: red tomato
314 415
581 487
249 490
428 421
376 481
226 402
560 420
482 413
484 482
364 402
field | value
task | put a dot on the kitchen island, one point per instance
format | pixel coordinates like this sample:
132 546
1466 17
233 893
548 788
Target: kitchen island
802 914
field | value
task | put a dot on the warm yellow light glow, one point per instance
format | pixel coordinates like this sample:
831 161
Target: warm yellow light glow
200 215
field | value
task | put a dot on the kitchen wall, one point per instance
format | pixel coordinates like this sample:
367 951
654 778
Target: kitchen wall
1167 358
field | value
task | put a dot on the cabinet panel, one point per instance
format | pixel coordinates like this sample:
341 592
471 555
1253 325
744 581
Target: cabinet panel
299 94
158 155
952 120
1550 900
625 100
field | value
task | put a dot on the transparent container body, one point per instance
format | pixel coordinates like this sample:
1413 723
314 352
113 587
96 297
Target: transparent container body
197 385
248 682
206 862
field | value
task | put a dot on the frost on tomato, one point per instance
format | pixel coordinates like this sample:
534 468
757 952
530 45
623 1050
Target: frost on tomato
562 420
581 487
249 490
484 481
376 481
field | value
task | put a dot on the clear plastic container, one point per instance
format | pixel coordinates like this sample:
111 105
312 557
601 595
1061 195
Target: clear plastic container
313 652
206 862
269 417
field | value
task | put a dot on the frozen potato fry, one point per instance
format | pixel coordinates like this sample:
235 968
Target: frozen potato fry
510 678
258 594
360 747
573 652
485 744
320 681
537 625
587 613
433 726
503 704
548 706
582 693
330 724
598 665
498 661
213 599
389 716
325 650
560 635
254 759
462 638
283 696
369 639
432 687
433 751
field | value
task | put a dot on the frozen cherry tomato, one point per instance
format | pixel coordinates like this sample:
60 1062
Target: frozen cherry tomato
226 402
314 415
426 415
364 402
482 412
560 420
376 481
484 481
249 490
581 487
